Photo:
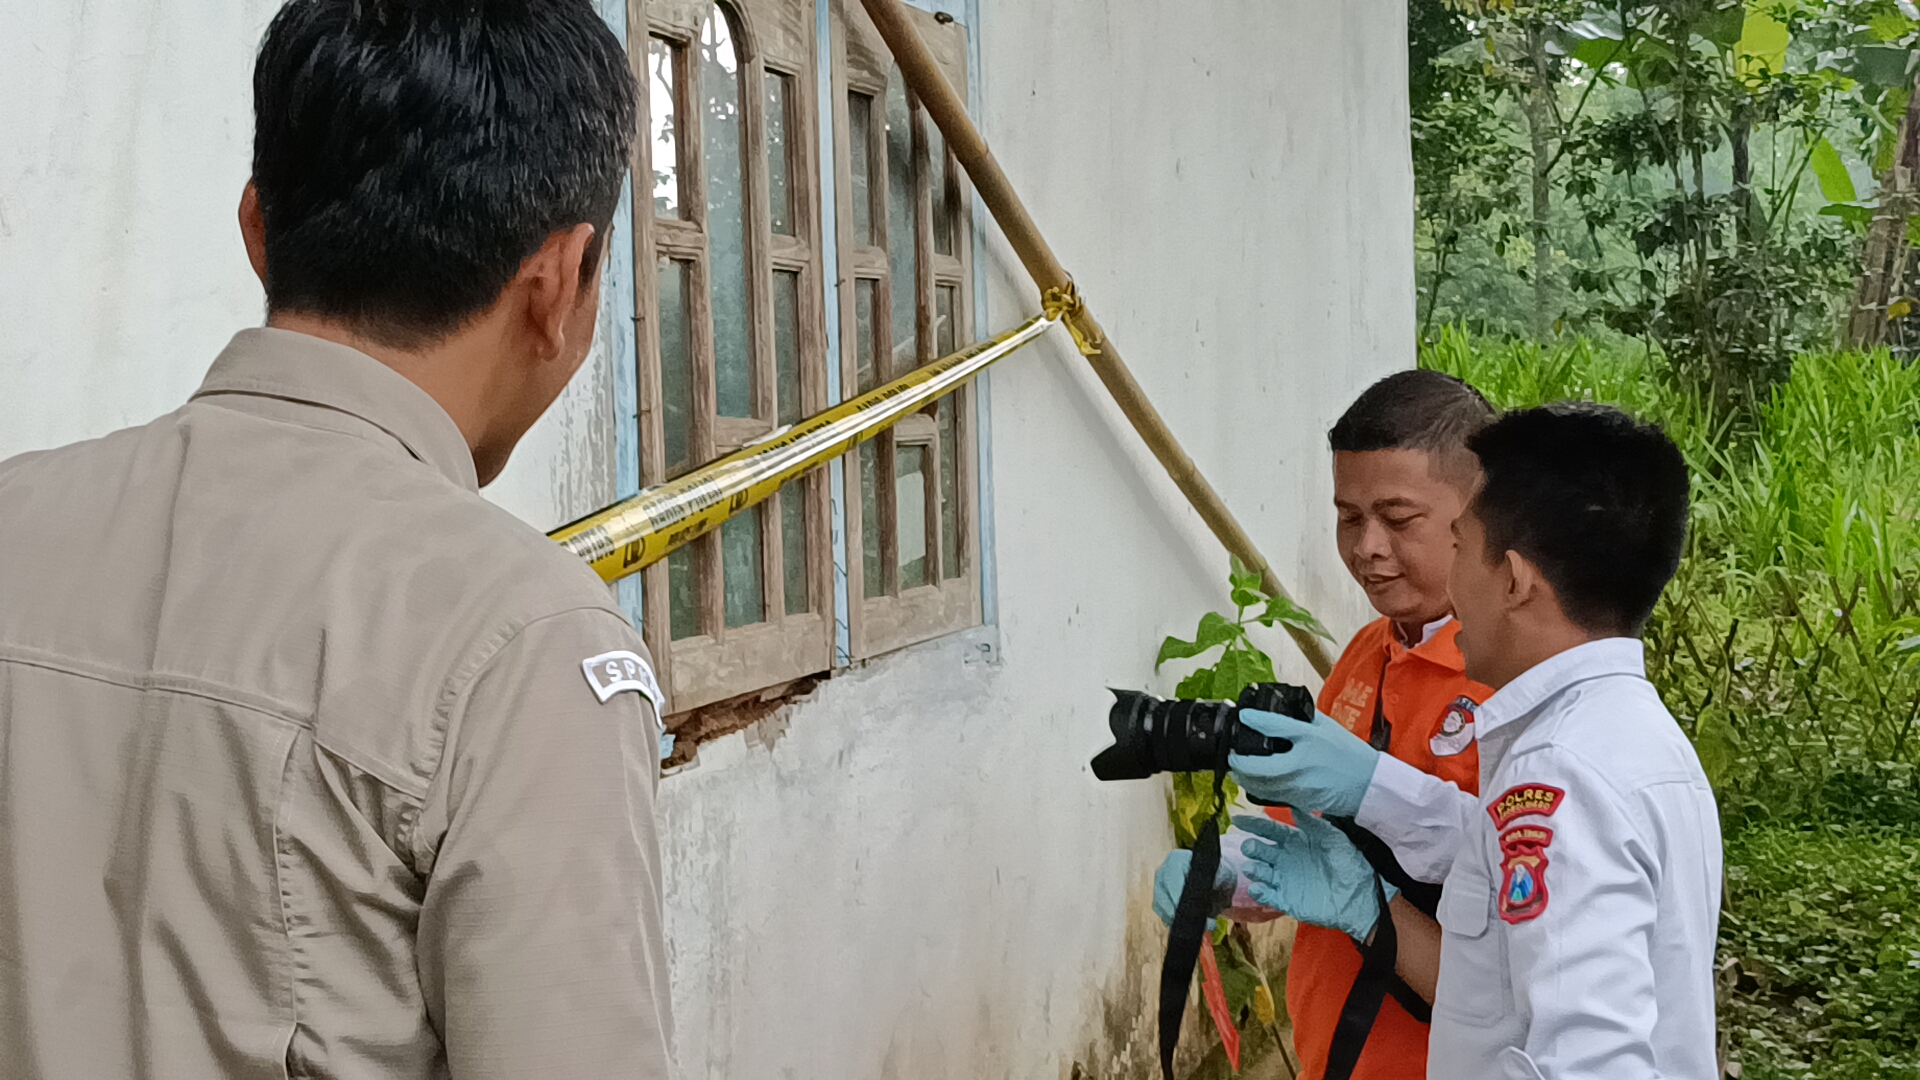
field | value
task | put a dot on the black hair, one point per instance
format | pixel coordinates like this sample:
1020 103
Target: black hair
1413 410
1593 497
410 155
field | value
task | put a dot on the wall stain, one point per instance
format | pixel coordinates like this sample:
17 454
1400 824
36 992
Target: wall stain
1126 1044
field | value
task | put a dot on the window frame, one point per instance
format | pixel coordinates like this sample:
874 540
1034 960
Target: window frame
721 661
862 64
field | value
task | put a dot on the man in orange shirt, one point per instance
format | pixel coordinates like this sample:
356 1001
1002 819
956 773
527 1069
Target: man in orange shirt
1402 473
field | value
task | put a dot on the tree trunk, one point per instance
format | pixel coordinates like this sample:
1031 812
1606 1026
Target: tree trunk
1884 251
1740 133
1539 113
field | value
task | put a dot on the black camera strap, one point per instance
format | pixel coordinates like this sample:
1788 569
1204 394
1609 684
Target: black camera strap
1377 979
1191 920
1380 954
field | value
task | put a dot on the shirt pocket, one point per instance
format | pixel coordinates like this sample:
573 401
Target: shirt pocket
1473 984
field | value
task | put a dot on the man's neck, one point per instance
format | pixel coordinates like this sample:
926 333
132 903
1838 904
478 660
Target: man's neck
1414 632
1536 644
441 370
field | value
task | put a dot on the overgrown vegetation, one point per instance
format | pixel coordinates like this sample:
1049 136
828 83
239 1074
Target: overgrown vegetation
1788 646
1706 211
1730 181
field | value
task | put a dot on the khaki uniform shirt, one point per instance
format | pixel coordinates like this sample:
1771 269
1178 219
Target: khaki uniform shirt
313 763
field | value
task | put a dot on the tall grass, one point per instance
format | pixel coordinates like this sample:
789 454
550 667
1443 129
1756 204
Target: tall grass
1789 642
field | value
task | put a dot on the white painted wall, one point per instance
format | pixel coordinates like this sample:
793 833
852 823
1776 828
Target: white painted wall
919 878
922 879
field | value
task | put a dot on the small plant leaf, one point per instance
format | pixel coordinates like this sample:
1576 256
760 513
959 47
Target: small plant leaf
1248 598
1215 630
1197 685
1239 669
1239 577
1287 613
1835 182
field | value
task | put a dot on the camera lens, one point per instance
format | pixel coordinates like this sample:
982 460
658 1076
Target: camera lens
1154 736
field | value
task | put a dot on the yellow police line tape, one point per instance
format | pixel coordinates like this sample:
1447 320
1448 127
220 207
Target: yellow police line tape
635 533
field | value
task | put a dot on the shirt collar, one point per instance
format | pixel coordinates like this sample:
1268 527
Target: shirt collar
300 367
1519 698
1437 643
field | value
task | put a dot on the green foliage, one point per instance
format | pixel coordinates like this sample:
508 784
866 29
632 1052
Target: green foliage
1820 953
1785 643
1239 664
1700 163
1788 646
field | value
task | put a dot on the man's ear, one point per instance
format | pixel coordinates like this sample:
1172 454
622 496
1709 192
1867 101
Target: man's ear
253 231
555 279
1524 583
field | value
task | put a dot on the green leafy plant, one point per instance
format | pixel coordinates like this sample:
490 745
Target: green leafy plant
1820 953
1239 664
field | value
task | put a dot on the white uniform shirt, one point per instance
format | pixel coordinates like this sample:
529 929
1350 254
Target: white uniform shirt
1582 890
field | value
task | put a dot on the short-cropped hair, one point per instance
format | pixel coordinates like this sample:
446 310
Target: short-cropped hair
1593 497
1413 410
410 155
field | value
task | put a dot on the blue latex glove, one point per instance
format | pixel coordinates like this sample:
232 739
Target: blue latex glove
1172 877
1327 770
1313 873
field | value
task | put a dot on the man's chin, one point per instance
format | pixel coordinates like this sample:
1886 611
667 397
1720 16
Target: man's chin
1396 602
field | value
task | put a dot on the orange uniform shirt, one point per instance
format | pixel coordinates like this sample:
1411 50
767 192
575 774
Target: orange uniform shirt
1429 703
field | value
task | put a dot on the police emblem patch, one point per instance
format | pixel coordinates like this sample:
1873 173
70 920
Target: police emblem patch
1456 729
610 673
1524 799
1523 878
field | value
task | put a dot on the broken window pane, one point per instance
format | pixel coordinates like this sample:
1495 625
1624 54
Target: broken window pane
663 103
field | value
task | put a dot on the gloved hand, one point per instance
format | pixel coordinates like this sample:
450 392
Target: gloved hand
1327 770
1313 873
1172 877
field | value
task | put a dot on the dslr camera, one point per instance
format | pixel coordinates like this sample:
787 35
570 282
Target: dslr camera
1154 736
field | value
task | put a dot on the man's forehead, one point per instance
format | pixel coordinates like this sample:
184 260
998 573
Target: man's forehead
1381 479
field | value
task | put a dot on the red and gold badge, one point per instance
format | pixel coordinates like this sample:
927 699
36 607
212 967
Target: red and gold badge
1524 799
1523 879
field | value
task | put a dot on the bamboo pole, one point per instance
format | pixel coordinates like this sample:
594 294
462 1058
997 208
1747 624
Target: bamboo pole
949 113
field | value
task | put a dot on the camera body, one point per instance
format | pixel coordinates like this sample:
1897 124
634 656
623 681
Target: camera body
1151 735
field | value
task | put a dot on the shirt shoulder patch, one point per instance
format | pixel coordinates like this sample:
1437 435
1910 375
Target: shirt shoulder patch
1524 799
1523 873
611 672
1456 729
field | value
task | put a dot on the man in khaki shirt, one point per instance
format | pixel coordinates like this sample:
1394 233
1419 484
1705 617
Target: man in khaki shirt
313 763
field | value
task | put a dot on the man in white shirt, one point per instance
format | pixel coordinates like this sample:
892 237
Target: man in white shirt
1582 889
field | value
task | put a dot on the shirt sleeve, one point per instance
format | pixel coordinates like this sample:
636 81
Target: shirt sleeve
1577 887
540 947
1423 818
